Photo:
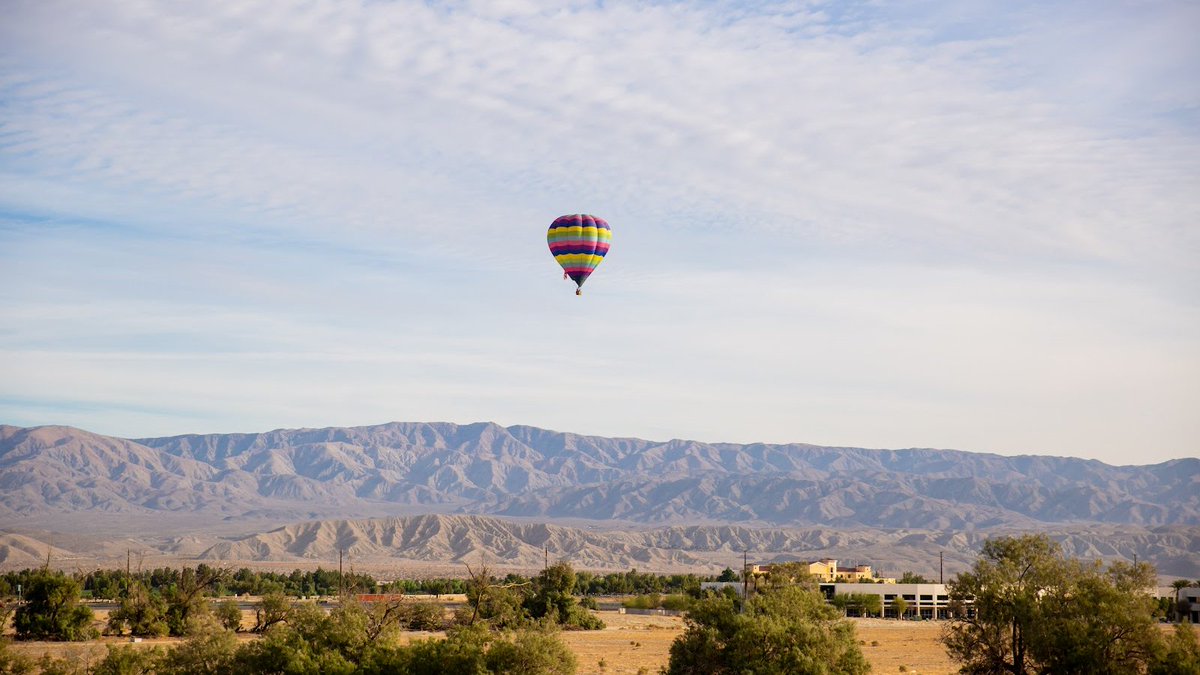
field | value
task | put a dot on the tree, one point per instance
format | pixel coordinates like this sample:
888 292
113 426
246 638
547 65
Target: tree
128 660
1099 621
1037 612
865 604
229 614
787 629
310 641
185 599
272 608
728 575
536 652
1179 654
1005 584
12 663
209 650
499 602
474 650
787 574
899 606
422 616
870 604
1177 609
52 610
553 598
141 612
913 578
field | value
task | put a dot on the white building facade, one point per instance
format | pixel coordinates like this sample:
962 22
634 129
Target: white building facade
924 601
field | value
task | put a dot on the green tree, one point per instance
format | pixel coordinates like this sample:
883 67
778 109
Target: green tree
473 650
1098 621
1037 612
12 663
500 605
185 598
864 604
229 614
728 575
271 609
309 641
140 612
868 604
553 598
787 574
788 629
530 652
1006 585
128 660
913 578
421 616
1178 607
899 606
463 652
1179 654
52 610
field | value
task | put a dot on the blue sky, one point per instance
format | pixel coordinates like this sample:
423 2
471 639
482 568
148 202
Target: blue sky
937 224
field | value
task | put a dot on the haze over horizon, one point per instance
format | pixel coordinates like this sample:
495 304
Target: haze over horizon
934 224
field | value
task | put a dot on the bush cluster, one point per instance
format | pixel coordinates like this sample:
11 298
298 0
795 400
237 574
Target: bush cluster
345 641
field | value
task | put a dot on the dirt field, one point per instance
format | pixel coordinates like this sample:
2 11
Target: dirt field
628 643
912 644
632 644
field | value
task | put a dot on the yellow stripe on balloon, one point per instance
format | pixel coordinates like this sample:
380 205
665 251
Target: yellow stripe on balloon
576 258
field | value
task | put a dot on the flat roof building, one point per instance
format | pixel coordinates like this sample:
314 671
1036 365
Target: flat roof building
925 601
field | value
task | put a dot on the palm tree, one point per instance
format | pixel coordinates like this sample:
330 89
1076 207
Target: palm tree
1179 585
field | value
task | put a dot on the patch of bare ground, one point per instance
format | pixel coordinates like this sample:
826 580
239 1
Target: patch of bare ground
633 642
628 644
889 644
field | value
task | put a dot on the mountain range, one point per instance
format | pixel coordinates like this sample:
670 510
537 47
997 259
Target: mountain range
60 478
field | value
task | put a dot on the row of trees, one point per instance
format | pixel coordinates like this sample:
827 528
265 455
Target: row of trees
1024 608
507 627
352 638
113 584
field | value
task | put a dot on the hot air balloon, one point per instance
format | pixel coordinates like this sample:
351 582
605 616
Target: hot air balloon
578 242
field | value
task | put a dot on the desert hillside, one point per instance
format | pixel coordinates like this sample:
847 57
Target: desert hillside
403 545
527 472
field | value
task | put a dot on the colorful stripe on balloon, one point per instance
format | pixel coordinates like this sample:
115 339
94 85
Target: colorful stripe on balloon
579 242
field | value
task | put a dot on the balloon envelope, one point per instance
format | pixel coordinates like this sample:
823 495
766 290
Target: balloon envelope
578 242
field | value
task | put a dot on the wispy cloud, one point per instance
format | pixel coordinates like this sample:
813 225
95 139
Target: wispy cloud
940 218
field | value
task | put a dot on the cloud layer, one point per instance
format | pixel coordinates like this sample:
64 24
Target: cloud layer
841 223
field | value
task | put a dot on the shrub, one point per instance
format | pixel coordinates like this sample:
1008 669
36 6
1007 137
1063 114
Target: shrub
786 629
52 610
12 663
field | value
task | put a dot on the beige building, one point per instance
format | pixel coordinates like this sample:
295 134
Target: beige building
826 570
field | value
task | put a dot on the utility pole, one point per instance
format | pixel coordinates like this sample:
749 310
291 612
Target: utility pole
545 558
341 578
745 576
941 567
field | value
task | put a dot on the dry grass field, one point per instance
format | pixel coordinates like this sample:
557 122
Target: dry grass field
635 643
632 644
